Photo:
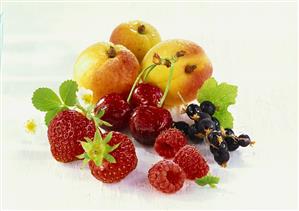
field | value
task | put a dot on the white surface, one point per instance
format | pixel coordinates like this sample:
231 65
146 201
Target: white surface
252 45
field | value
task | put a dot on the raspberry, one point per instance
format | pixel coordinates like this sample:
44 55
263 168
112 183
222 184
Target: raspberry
169 142
166 176
66 131
191 161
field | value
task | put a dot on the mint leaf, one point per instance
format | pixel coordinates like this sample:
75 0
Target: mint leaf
45 99
51 114
208 180
67 91
222 96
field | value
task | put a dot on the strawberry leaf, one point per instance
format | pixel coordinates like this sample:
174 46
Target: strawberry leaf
208 180
222 96
45 99
51 114
67 91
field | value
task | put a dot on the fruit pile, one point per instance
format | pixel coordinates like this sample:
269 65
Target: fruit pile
131 83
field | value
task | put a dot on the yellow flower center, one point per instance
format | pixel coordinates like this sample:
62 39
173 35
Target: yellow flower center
87 98
30 126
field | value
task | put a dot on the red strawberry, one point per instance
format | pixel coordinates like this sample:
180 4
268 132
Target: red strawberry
117 111
169 142
166 176
146 94
147 122
66 131
191 161
110 159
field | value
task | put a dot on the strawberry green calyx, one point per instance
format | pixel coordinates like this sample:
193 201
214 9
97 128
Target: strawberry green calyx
98 149
208 180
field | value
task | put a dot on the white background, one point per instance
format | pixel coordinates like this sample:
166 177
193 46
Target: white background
252 45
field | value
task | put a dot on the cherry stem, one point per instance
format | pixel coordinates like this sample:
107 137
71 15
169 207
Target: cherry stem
167 86
149 69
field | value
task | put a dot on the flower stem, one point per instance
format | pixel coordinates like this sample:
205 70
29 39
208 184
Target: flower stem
149 68
167 86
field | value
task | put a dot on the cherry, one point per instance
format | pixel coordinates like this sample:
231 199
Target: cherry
146 94
147 122
117 111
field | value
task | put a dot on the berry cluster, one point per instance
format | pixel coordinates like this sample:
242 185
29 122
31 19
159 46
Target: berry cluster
207 128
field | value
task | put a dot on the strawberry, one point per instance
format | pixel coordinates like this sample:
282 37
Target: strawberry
65 132
191 161
169 142
110 159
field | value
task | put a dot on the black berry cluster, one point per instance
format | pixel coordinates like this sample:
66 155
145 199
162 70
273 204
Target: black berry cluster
207 128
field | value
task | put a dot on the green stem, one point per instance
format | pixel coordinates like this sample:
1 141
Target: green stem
148 72
81 108
150 68
167 86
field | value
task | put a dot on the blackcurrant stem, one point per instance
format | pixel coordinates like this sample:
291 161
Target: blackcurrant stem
184 103
167 86
150 68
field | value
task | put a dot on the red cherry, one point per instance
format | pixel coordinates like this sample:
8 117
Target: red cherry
117 111
146 94
147 122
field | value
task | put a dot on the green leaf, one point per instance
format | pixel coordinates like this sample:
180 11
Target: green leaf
67 91
86 146
51 114
114 147
208 180
107 138
81 156
222 96
102 122
101 113
45 99
225 118
110 158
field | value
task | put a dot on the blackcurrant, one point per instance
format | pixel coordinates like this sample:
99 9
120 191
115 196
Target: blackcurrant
221 157
215 138
214 150
194 135
244 140
182 126
192 110
229 132
207 107
205 126
223 146
232 143
217 123
202 115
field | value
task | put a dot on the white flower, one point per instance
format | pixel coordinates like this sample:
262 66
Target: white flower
85 96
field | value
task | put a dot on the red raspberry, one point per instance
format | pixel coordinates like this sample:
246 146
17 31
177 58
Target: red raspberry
191 161
124 155
169 142
166 176
66 131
